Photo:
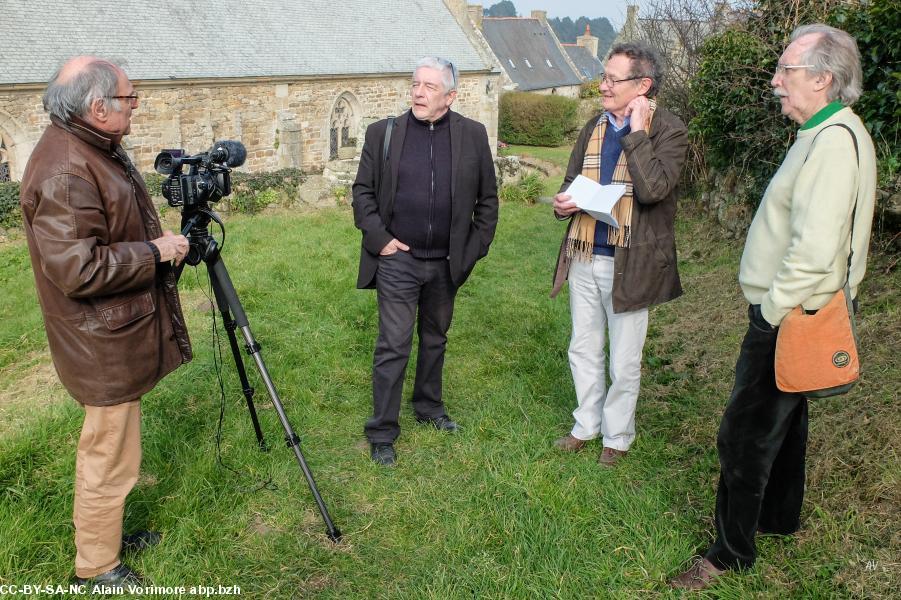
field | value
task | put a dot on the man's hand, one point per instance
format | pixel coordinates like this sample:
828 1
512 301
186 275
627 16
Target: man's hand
638 110
393 246
171 247
564 206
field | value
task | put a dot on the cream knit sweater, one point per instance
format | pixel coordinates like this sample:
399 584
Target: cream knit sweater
796 252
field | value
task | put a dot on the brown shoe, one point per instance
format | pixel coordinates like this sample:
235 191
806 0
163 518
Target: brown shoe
701 575
568 443
610 456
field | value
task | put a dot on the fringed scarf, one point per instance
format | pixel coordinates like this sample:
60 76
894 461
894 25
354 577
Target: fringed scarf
580 240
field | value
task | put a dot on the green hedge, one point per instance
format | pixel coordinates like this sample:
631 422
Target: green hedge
251 192
536 120
10 213
877 28
739 127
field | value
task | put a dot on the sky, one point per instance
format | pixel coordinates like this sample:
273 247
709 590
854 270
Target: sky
614 10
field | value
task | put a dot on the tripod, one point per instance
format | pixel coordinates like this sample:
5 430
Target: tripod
203 247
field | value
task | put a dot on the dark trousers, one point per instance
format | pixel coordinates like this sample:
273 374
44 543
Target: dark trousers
404 285
762 444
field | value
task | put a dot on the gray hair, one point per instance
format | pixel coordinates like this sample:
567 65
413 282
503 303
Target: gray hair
73 97
645 63
449 73
834 51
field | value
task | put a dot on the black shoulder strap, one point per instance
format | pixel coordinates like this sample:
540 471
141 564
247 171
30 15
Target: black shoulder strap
386 144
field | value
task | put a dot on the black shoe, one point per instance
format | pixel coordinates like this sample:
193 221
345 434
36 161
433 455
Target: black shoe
383 454
442 423
139 541
119 575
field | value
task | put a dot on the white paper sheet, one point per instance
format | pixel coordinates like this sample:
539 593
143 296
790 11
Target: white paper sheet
596 199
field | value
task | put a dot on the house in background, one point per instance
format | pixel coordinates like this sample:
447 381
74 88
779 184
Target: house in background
584 55
530 55
296 82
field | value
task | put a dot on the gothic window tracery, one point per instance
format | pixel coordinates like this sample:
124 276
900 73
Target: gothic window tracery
342 125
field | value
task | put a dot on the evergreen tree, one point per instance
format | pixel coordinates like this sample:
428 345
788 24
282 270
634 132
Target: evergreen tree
501 9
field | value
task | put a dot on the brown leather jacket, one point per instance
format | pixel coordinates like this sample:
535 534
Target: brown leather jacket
645 273
112 314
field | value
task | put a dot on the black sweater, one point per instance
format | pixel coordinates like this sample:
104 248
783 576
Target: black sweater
422 204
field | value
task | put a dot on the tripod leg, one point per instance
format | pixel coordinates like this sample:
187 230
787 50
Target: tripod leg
230 326
219 274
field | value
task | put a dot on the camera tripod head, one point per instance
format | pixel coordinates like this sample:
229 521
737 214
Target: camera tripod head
202 247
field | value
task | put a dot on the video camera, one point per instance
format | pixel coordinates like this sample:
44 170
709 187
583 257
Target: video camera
208 178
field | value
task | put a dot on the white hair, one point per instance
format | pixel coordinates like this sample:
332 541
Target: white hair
835 52
448 71
96 80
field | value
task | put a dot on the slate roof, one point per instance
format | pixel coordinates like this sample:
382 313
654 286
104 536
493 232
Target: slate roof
525 47
589 66
176 39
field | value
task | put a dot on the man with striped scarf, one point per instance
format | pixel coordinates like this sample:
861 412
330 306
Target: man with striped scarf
615 274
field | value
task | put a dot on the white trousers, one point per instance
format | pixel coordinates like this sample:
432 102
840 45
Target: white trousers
602 410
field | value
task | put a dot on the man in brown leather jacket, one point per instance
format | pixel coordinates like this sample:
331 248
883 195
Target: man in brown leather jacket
616 273
107 292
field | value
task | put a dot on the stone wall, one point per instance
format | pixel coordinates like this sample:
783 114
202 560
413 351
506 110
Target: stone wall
283 123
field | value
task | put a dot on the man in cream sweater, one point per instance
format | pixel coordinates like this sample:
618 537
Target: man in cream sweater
796 253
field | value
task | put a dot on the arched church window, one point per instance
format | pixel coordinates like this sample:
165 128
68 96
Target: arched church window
4 162
342 126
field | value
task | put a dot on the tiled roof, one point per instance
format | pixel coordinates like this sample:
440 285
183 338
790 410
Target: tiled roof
589 66
528 52
175 39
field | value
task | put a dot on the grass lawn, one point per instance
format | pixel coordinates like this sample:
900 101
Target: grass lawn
558 155
493 512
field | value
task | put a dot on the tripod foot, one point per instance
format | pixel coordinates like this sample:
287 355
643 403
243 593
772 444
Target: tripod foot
334 535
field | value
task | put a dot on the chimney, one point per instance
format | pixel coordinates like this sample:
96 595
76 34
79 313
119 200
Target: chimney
475 14
588 41
632 12
541 15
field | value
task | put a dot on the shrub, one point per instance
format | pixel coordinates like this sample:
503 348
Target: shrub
738 120
877 28
738 126
154 183
251 192
590 89
536 120
525 191
10 213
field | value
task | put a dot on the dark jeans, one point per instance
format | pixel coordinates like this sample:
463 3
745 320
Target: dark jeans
762 444
405 284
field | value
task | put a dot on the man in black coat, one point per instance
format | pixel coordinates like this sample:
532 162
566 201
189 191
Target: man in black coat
425 199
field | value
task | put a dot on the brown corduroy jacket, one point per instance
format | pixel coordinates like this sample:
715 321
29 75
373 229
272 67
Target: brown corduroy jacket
112 314
645 273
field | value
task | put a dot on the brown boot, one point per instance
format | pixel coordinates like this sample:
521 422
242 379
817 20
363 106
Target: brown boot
568 443
610 456
701 575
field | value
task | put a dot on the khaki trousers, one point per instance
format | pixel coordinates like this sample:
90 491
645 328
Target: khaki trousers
106 469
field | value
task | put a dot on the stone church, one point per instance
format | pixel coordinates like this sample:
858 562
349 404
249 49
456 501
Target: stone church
296 81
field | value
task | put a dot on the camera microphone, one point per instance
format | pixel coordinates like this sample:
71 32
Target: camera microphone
230 152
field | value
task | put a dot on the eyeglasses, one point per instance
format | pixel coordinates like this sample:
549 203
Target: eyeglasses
446 63
133 98
780 68
610 81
